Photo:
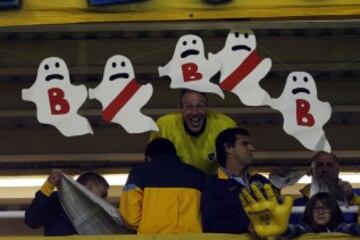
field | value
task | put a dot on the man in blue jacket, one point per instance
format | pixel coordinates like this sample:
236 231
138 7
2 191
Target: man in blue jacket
221 208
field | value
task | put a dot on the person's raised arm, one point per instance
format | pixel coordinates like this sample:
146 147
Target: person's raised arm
268 214
40 208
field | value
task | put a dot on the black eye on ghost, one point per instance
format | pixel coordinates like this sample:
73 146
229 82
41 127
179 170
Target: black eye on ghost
241 46
193 41
305 79
118 75
237 35
300 90
123 64
189 52
53 76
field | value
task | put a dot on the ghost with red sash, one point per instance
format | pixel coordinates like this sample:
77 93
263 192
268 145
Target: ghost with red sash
122 97
242 68
304 114
189 68
56 99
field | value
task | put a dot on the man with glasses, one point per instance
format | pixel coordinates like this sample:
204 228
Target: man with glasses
193 130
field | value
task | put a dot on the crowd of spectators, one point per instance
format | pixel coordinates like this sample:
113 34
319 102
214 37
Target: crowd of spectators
196 178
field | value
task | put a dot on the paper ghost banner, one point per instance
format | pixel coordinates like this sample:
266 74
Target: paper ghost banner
122 97
56 99
304 114
189 68
242 68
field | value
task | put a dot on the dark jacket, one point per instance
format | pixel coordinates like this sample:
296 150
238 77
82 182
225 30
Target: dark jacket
221 208
295 230
47 212
163 196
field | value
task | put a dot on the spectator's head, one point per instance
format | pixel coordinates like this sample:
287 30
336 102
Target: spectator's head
95 183
158 149
193 107
325 166
234 147
322 212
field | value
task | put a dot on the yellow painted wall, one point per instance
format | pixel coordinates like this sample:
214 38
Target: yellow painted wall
77 11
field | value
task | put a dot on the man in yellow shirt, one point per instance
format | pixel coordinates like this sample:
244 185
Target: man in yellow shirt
193 130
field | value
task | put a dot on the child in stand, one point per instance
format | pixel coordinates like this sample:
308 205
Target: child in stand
322 214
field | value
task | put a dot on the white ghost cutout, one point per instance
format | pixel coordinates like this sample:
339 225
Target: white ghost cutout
122 97
189 68
304 114
56 99
242 69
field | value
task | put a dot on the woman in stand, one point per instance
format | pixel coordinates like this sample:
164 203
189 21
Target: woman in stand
322 214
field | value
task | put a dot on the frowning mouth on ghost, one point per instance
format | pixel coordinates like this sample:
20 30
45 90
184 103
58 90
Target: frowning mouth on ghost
300 90
241 47
54 76
118 75
189 53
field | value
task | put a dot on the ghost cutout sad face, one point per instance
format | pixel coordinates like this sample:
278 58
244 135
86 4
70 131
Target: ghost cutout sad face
56 99
117 74
304 114
239 44
242 68
122 97
189 68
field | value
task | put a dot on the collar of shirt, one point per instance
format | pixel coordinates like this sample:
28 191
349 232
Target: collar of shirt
244 180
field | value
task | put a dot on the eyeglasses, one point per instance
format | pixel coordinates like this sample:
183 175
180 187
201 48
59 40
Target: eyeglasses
198 106
321 209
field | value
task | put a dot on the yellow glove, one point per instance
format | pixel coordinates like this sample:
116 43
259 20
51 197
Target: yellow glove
269 217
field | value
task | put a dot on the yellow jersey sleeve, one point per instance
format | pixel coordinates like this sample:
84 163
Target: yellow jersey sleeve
131 206
47 188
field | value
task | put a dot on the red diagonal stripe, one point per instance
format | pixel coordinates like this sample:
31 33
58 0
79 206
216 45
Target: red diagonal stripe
241 71
121 99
